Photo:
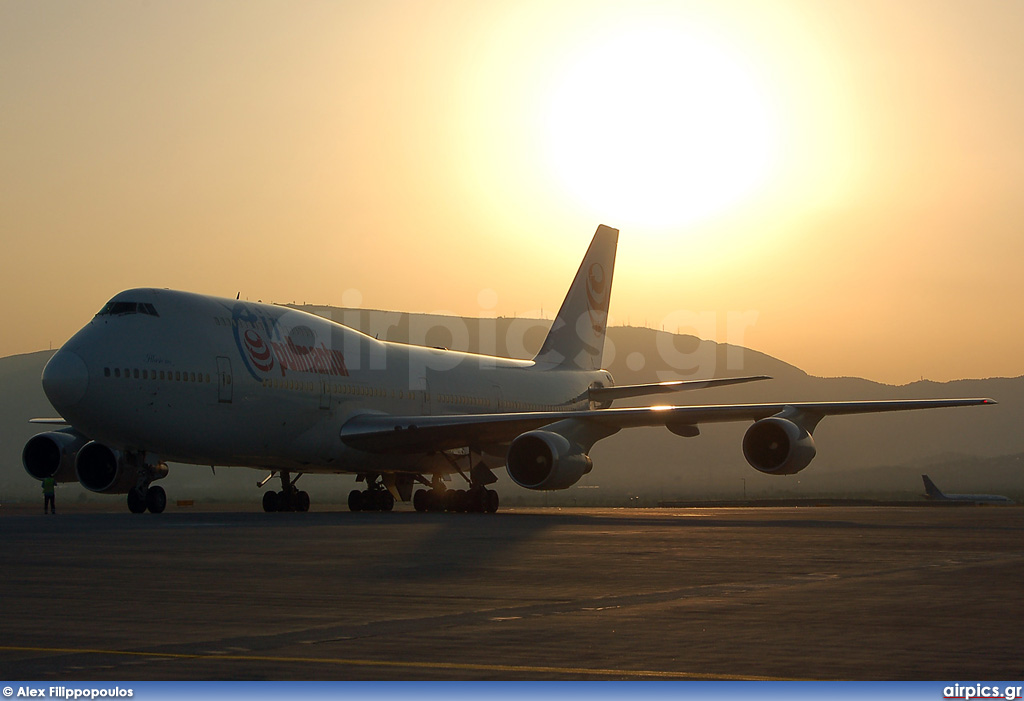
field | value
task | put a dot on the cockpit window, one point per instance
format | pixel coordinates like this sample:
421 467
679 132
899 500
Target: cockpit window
122 308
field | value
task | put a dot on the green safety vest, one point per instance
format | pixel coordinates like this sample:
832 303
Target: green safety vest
48 485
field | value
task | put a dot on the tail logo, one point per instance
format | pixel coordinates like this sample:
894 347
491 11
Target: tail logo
597 297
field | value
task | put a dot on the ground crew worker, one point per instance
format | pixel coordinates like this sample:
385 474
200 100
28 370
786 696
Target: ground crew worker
48 502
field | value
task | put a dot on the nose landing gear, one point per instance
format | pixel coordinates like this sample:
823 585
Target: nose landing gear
142 498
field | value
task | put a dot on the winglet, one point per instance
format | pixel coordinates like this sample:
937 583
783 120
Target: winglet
576 338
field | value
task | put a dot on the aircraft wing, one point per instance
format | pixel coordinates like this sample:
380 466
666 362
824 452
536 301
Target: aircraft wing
382 433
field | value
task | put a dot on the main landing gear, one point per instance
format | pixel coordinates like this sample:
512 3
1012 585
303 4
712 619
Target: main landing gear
288 499
477 499
375 497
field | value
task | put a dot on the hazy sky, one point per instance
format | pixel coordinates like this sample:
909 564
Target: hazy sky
850 175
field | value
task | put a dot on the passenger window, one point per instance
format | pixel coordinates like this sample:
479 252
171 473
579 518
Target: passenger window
136 373
193 377
117 372
106 372
145 374
177 376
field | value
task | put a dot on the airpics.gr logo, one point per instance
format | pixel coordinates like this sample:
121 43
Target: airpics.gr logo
597 297
981 691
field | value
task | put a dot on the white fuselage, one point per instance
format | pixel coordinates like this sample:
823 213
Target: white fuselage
197 379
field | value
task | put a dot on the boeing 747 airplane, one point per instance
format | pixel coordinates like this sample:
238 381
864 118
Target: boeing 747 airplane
163 376
933 493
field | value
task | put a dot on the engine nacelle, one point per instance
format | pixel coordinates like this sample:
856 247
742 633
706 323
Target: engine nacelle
777 446
52 454
105 470
546 460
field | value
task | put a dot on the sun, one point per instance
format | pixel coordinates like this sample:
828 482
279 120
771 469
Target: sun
658 127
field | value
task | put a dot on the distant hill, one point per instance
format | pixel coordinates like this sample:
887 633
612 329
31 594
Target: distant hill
970 449
21 398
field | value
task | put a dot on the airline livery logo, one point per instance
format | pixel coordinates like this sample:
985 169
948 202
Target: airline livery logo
258 351
597 297
299 352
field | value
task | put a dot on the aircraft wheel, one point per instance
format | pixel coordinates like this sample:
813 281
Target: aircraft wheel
136 501
284 501
369 500
355 500
430 500
156 500
448 501
437 500
421 500
460 501
386 502
302 501
270 501
491 501
477 500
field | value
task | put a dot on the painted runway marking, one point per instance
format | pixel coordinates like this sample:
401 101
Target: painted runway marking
456 666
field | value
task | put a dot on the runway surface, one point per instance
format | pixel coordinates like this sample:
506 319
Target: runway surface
822 593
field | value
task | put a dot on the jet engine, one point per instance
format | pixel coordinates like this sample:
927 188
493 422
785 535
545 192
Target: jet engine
103 469
778 446
546 460
52 454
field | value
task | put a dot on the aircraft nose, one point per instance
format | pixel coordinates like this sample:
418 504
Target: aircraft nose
65 379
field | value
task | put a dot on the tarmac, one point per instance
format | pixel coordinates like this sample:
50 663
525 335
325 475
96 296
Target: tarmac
212 592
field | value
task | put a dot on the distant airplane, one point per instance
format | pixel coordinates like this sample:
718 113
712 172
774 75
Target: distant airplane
163 376
933 493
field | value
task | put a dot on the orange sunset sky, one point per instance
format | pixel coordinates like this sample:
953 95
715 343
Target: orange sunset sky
849 175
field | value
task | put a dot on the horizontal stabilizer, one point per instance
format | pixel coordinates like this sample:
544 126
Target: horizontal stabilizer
605 395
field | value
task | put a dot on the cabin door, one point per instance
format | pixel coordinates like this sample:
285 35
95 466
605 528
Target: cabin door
224 391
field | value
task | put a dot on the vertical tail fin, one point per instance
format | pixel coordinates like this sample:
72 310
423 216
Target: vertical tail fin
931 491
576 338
